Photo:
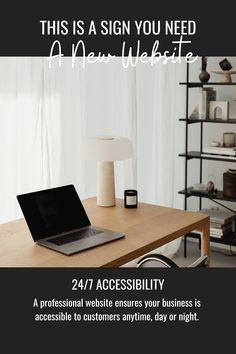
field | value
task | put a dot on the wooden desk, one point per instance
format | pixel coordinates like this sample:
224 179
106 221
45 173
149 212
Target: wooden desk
146 228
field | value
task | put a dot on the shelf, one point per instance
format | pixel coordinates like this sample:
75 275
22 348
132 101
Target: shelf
190 192
197 155
216 197
228 239
222 121
201 84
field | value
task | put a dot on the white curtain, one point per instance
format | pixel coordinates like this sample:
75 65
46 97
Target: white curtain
160 137
29 132
44 112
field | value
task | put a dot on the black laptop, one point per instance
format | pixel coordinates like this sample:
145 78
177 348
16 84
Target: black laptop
57 219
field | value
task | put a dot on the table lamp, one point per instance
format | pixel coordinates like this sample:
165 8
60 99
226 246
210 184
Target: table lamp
106 150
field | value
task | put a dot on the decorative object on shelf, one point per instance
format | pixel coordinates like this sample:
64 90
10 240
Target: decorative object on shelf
211 178
204 75
130 198
226 75
222 106
206 95
229 139
106 150
226 71
215 143
200 187
210 187
225 65
229 184
194 114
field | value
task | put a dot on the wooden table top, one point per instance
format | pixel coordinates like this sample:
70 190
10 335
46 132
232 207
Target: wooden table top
146 228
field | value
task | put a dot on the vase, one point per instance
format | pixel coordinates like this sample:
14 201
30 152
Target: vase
204 76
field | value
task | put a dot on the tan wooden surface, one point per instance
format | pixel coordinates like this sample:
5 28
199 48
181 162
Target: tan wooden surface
146 228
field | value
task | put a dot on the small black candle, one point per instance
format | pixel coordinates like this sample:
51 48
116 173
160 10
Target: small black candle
130 198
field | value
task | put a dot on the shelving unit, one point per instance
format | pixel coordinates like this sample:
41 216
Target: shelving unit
188 191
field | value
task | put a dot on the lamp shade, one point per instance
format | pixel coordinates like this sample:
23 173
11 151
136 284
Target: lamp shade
106 148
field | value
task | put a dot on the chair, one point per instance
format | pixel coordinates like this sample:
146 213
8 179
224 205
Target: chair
201 262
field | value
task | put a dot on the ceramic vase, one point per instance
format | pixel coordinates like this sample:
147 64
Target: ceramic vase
204 75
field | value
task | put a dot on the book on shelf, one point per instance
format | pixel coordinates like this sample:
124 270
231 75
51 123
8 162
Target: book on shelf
219 235
216 156
219 216
221 232
217 226
227 151
221 221
223 228
206 94
216 234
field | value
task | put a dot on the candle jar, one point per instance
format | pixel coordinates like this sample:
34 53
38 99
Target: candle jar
130 198
229 139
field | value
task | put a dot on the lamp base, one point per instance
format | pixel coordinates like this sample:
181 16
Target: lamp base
106 184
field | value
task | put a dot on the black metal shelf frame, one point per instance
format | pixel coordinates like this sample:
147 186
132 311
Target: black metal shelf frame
215 197
188 155
214 121
198 155
201 84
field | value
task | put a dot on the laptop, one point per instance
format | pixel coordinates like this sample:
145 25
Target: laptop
57 219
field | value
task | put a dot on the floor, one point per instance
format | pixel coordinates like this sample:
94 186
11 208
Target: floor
219 257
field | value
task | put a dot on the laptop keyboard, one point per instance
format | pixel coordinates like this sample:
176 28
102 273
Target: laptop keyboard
75 236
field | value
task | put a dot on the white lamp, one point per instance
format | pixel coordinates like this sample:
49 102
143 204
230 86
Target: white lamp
106 150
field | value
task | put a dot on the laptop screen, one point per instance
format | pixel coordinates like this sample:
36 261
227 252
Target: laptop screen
53 211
